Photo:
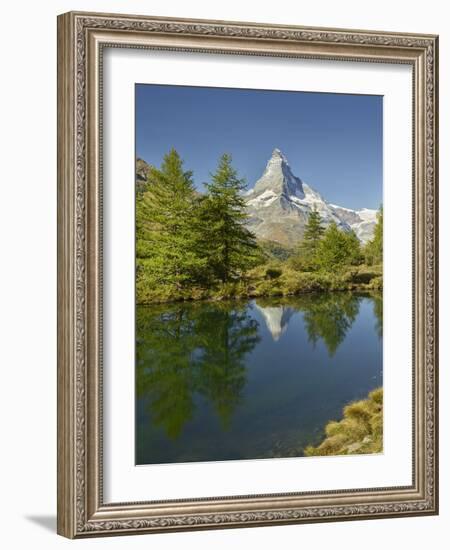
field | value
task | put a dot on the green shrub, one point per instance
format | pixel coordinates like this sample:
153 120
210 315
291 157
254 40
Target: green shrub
273 273
376 283
274 278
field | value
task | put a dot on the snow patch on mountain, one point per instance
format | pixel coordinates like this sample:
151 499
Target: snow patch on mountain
368 215
280 203
362 222
265 199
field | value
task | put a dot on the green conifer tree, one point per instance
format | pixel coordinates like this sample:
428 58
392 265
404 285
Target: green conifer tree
314 231
354 252
167 230
229 246
337 249
304 257
373 251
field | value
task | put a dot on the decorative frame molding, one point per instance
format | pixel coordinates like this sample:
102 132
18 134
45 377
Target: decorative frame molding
81 38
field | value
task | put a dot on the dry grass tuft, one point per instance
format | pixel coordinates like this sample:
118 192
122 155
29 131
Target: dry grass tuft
359 432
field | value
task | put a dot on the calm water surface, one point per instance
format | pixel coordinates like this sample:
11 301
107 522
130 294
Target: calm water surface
251 379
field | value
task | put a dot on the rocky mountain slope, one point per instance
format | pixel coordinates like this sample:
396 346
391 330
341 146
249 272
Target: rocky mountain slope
142 170
279 205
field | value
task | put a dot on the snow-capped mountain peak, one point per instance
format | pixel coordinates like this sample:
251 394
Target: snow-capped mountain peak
280 203
278 178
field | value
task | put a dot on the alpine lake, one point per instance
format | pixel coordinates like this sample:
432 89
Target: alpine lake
251 379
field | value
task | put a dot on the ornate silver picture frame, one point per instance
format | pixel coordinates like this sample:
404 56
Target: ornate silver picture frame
82 40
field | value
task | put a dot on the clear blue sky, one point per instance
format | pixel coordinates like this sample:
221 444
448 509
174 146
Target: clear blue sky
332 141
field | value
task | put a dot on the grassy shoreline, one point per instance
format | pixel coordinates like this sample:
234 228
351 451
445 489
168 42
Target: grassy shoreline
359 432
269 281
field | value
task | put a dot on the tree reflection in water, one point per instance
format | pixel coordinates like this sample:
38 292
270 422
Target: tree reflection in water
330 317
188 350
195 348
378 312
327 317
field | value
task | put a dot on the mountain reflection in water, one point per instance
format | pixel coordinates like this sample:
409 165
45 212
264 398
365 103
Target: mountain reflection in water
276 318
250 379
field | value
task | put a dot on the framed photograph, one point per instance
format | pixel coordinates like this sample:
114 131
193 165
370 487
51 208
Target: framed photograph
247 276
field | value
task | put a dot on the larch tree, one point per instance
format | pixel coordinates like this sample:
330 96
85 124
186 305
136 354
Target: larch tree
373 250
167 230
337 249
230 248
305 254
314 231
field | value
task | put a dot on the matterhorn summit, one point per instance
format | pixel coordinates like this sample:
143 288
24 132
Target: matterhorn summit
278 179
280 203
